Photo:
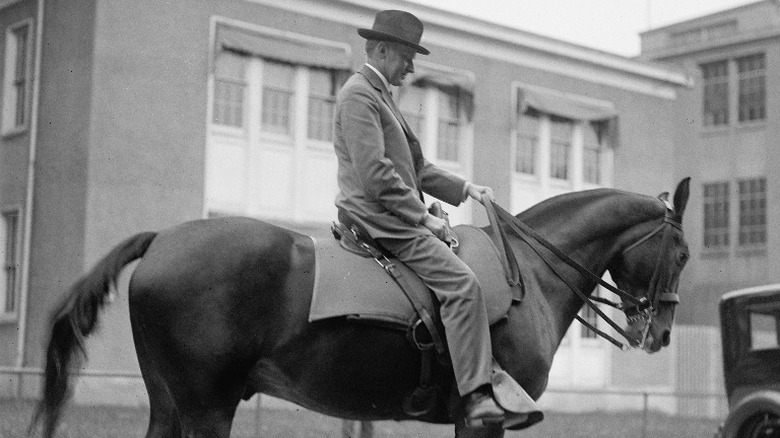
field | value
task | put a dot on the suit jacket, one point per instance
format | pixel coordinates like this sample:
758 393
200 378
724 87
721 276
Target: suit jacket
381 169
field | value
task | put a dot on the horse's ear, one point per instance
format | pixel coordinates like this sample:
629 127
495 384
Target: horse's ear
664 196
681 198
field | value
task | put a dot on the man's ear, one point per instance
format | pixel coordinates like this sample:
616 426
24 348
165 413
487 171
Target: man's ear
382 48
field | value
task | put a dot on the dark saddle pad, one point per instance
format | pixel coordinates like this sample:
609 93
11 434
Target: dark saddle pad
348 285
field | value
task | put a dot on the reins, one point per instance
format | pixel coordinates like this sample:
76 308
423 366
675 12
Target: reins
640 308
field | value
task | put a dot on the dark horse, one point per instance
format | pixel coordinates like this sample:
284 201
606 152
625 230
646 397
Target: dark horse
219 311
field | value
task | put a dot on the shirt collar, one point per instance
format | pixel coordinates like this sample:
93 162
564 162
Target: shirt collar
381 76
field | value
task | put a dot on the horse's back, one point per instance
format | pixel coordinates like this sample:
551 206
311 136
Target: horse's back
202 283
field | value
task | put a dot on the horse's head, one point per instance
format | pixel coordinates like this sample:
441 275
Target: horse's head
648 266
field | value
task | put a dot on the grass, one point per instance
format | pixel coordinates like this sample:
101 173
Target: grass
116 422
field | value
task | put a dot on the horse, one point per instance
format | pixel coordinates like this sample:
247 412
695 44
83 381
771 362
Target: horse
219 312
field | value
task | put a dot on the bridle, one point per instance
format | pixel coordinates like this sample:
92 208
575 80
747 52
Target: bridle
668 295
639 309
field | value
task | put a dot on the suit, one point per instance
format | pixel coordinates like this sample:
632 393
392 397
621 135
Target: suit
381 174
381 170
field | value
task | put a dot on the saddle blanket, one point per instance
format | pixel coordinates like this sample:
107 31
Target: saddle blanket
348 285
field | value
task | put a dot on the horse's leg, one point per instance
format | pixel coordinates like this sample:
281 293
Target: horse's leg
163 416
196 404
208 423
493 431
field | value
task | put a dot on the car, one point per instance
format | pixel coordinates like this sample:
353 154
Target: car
750 331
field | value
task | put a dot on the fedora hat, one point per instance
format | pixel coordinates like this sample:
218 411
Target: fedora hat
399 26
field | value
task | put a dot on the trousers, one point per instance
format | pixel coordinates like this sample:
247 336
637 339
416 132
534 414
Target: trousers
463 311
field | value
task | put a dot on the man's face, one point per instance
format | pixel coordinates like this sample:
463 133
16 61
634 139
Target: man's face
398 62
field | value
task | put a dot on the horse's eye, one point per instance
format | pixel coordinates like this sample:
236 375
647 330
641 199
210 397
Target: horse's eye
684 258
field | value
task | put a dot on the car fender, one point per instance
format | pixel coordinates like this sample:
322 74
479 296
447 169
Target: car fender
757 402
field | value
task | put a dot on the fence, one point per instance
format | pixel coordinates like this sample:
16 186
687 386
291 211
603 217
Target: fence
694 405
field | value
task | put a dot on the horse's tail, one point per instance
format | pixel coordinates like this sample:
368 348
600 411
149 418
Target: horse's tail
75 319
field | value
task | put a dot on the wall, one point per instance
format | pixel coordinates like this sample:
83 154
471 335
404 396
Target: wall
61 166
727 153
14 150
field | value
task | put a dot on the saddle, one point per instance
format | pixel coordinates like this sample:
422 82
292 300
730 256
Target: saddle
349 283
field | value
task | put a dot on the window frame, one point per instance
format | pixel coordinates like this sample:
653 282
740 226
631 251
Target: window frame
711 84
15 240
576 145
721 198
746 224
8 112
747 82
243 83
429 120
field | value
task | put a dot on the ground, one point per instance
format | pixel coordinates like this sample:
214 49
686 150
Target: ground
90 421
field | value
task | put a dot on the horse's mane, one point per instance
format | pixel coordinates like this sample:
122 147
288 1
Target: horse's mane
611 209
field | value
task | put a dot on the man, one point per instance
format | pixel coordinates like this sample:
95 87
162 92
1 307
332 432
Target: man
381 175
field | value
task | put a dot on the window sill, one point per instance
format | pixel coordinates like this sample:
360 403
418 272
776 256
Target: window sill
227 131
715 130
713 254
747 252
14 133
526 177
560 183
8 318
756 125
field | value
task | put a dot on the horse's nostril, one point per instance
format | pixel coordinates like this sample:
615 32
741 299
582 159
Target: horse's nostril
666 338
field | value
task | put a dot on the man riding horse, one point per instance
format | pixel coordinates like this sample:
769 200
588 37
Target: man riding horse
381 174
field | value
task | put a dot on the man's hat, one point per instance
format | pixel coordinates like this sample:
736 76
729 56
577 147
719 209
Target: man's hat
399 26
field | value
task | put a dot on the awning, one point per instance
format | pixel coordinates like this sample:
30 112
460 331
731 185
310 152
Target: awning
563 106
450 81
301 51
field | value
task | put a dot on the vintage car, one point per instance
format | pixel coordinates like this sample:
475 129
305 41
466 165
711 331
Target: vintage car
750 330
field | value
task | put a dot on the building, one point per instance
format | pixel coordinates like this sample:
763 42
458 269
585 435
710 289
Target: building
725 140
144 116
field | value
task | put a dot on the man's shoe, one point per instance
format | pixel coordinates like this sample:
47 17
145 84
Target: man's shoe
482 410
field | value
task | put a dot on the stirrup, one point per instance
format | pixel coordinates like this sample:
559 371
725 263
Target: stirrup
521 409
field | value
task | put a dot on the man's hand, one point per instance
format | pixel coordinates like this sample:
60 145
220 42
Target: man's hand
480 193
437 226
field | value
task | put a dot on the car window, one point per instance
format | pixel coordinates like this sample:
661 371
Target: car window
764 330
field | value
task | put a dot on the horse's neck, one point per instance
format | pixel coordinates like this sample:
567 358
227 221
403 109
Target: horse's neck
591 232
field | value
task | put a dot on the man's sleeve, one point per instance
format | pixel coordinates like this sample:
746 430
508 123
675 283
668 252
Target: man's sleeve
444 185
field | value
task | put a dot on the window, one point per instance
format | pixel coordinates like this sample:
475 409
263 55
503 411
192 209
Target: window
229 86
716 215
715 77
273 102
436 101
560 146
527 145
448 147
436 115
752 212
322 99
8 282
278 92
16 83
764 325
412 106
752 90
560 142
595 135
